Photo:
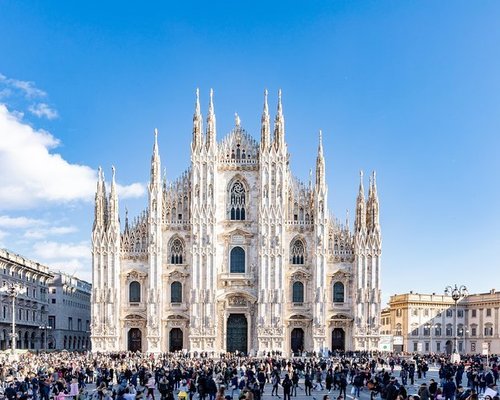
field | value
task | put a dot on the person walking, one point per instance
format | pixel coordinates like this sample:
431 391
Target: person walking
287 387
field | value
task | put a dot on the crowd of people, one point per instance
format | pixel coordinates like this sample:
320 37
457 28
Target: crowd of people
131 376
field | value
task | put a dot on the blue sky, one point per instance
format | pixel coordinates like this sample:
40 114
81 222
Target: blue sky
410 89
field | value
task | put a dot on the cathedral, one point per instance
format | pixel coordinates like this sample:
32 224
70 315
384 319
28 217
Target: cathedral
236 254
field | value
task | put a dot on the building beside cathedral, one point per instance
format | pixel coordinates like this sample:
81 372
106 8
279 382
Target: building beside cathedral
236 254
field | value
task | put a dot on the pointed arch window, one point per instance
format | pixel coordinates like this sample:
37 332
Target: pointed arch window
237 263
297 252
176 292
237 202
134 292
338 292
176 252
298 292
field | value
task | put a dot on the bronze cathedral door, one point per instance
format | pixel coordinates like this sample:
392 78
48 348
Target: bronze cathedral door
237 333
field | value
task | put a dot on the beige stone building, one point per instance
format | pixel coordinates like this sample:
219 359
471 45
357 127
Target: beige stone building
426 322
31 307
236 254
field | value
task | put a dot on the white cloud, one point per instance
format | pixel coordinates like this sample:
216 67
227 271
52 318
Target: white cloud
129 191
74 267
19 222
27 88
43 110
32 175
56 251
42 233
72 258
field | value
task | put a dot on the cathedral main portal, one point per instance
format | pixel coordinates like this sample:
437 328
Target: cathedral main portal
134 340
237 333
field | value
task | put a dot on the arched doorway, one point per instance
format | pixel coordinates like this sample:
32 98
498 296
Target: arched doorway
449 347
134 339
237 333
338 339
297 340
175 339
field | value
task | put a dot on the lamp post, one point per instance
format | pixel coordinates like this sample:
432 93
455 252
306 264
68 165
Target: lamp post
13 290
44 327
456 294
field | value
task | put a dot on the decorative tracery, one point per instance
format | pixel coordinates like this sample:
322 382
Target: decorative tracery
176 252
297 252
237 201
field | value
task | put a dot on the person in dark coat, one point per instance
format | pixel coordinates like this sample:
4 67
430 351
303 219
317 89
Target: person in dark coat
449 389
287 387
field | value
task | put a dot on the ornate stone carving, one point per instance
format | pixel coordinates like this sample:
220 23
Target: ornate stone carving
238 301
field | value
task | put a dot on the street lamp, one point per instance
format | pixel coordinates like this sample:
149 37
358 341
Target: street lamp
456 293
44 327
13 290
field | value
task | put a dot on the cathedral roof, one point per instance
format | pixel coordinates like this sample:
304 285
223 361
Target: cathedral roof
239 147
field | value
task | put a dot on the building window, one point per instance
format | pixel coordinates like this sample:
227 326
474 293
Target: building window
414 331
176 252
297 252
437 331
460 313
460 347
427 331
415 346
473 331
338 292
398 330
438 347
449 312
70 323
488 312
176 292
488 330
427 347
52 321
298 292
79 322
473 347
426 312
53 301
134 292
415 312
237 263
449 330
398 312
237 202
473 313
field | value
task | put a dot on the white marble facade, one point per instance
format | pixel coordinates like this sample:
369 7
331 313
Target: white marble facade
236 254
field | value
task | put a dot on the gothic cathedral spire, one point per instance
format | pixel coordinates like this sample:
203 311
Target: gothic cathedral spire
155 162
211 131
113 218
100 201
265 134
279 126
320 164
373 206
197 125
360 221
